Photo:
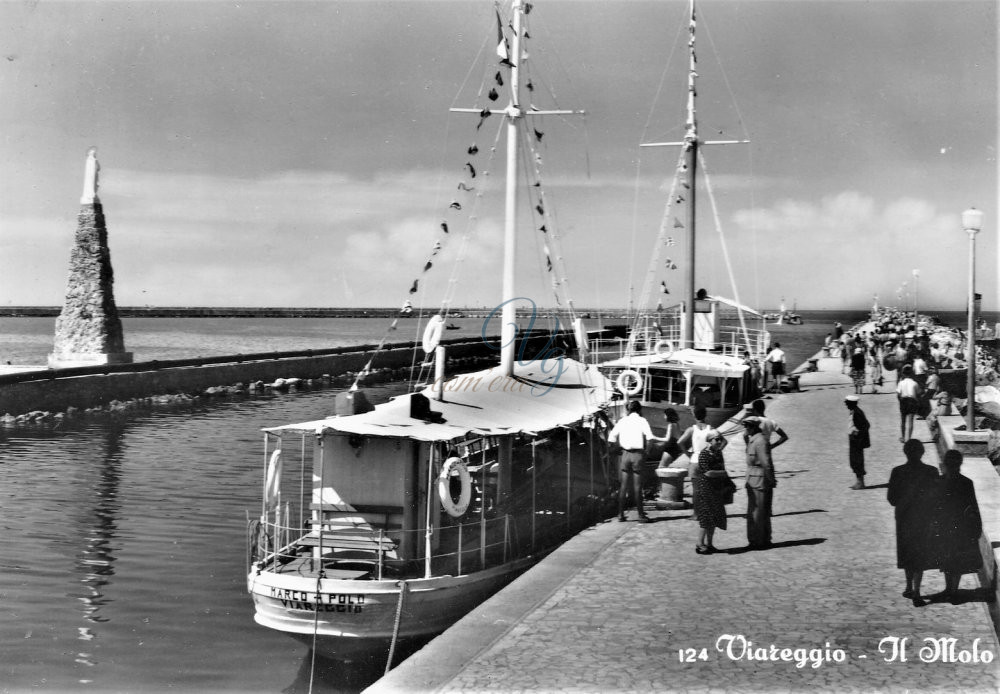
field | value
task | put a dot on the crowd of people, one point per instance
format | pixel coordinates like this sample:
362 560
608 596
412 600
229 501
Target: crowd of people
938 524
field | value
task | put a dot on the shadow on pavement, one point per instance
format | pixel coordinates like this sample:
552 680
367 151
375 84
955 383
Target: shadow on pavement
799 513
774 545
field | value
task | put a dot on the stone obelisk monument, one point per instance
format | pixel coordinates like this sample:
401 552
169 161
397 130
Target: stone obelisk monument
88 330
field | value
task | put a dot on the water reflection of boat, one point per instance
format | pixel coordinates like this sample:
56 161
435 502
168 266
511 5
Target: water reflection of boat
386 524
700 352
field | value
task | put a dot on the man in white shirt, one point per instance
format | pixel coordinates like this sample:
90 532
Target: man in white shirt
908 392
776 361
632 432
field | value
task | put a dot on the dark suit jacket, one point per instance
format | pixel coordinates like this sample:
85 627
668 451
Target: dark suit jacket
860 422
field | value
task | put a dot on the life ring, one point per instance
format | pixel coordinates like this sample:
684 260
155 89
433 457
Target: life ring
580 333
629 373
432 333
451 467
664 347
272 485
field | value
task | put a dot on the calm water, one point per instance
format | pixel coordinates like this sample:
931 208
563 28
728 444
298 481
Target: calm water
123 544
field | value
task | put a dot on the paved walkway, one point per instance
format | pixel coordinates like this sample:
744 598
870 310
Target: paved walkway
620 606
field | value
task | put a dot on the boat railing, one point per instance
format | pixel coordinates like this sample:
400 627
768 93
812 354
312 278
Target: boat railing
730 341
458 548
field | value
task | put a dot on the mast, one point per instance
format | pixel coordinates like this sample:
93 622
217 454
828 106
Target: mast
691 145
508 331
514 115
691 166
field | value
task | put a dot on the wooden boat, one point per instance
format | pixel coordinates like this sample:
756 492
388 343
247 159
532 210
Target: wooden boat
707 350
389 523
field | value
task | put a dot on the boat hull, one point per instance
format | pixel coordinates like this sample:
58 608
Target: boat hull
354 618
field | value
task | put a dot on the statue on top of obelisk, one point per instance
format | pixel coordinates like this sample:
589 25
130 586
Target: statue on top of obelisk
88 330
91 170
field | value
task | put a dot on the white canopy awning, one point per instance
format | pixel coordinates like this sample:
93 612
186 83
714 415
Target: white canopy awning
693 360
483 403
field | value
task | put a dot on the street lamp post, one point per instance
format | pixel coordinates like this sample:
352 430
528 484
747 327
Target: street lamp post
972 222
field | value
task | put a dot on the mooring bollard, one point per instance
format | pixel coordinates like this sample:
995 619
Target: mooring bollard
671 487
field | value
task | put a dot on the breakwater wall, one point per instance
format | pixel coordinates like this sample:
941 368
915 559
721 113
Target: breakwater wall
284 312
57 390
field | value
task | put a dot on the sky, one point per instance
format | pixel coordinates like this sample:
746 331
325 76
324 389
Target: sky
303 153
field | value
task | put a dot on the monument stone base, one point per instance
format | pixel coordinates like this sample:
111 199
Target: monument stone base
71 359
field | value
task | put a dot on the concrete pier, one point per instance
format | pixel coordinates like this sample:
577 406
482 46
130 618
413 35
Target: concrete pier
632 607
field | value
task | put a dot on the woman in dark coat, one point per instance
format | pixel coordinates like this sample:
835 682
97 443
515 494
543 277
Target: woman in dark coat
707 482
955 525
911 488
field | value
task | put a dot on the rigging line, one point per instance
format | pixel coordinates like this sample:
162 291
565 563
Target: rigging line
561 284
661 240
746 136
725 252
439 186
472 220
681 28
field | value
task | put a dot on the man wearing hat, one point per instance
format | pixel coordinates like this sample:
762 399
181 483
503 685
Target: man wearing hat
760 485
857 440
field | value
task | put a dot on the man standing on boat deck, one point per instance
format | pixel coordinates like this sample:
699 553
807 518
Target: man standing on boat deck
857 439
632 432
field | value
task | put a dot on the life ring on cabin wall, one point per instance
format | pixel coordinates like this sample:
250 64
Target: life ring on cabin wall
272 483
432 333
454 466
620 382
663 347
580 333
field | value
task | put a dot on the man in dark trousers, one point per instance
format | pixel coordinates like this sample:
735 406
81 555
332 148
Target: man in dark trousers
632 433
857 440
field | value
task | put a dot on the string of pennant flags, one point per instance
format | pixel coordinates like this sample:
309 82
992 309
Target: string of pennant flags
669 222
464 188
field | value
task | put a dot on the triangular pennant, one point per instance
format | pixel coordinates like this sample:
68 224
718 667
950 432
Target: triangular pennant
499 79
502 51
473 150
686 185
663 288
444 227
427 266
677 224
455 205
530 85
541 210
472 169
543 229
493 95
538 135
413 289
527 8
462 186
680 199
670 241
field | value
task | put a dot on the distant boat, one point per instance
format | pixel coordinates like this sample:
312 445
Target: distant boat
452 326
708 357
391 522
